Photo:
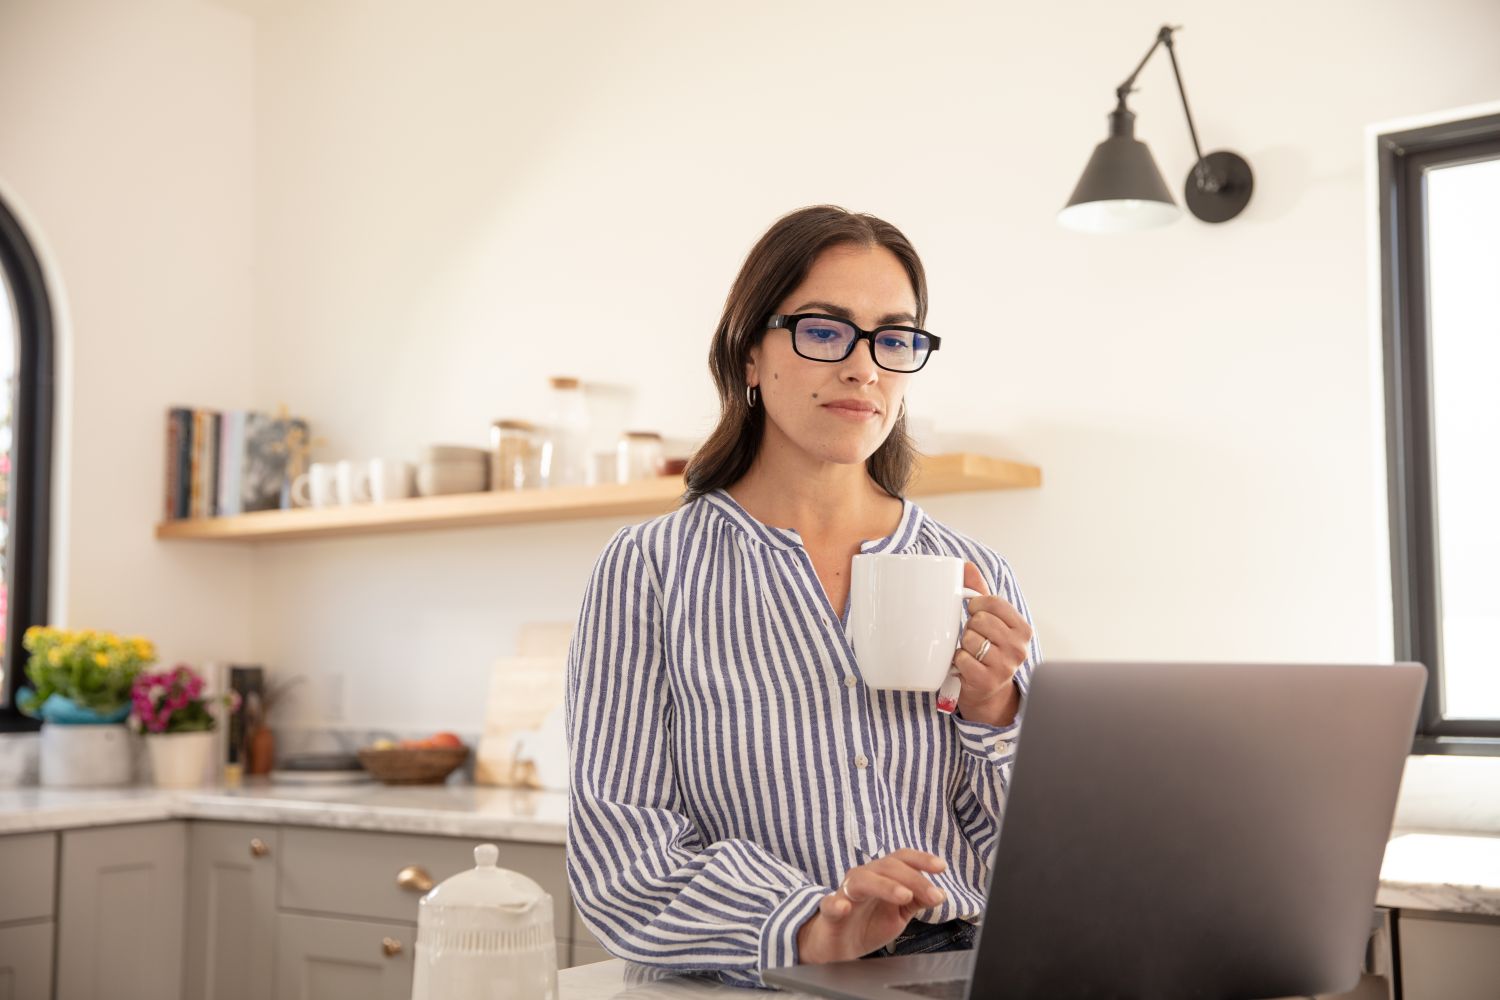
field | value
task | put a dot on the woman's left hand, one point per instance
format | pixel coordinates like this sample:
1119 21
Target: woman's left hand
995 642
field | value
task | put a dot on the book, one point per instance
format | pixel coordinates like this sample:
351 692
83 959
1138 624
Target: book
231 447
214 421
173 476
222 463
264 461
195 471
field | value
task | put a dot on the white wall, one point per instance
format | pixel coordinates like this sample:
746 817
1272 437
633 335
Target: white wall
125 147
364 210
1203 400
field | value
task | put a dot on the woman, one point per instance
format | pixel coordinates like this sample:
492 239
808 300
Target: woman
740 799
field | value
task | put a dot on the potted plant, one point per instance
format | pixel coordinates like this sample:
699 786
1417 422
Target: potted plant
170 709
80 689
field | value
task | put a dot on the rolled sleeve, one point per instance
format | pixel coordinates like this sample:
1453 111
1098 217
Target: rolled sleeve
995 744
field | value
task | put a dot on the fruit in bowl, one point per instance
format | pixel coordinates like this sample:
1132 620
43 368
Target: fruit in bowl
444 739
414 761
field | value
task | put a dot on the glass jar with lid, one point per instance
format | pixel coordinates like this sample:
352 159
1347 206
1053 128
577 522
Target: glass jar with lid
638 456
515 453
564 457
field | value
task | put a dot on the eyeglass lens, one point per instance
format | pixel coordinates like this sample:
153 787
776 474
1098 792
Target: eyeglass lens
831 340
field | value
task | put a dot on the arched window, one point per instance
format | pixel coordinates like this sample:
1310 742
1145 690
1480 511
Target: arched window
26 362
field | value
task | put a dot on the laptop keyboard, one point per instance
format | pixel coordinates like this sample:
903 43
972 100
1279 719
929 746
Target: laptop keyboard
943 989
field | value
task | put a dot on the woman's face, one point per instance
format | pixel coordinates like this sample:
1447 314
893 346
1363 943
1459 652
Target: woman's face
836 411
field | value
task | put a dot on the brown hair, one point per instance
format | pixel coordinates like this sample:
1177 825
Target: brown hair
776 265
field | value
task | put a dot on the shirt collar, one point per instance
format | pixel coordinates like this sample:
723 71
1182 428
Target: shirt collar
903 539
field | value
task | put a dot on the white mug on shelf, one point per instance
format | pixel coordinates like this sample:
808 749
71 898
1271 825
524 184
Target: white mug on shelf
389 479
906 613
315 487
351 482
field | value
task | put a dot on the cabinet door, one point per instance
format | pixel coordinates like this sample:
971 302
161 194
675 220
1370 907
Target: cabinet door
119 912
231 911
1448 956
28 874
326 958
26 961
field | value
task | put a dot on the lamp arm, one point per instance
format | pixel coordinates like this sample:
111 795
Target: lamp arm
1206 180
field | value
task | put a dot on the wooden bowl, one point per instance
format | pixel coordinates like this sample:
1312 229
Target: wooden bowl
414 765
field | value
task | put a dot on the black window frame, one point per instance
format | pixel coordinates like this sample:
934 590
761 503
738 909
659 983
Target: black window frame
28 550
1403 157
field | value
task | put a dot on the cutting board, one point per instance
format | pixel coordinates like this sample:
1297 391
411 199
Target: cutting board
525 702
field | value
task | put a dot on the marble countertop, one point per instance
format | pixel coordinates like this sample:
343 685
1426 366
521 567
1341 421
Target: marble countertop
1455 873
447 810
617 980
1427 870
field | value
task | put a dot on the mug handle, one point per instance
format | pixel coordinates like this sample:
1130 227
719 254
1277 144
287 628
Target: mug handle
299 491
947 696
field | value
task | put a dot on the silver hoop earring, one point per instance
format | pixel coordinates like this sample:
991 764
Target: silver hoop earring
751 395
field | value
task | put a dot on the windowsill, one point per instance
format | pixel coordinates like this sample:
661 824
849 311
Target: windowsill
12 721
1464 746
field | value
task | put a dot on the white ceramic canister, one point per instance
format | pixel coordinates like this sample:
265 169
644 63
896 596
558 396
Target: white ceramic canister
485 933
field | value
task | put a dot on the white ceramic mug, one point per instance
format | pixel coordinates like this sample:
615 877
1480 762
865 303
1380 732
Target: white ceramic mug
389 479
315 487
906 613
351 482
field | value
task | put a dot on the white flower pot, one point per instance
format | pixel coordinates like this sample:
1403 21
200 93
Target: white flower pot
86 756
179 760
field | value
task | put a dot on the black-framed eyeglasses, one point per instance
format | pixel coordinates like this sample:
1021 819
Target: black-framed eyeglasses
817 337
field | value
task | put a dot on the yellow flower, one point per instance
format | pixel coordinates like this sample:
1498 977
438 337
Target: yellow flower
54 657
101 659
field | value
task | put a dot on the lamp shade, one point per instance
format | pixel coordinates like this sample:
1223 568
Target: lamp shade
1121 189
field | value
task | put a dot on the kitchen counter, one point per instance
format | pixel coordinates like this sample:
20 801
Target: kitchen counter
444 810
617 980
1456 873
1441 871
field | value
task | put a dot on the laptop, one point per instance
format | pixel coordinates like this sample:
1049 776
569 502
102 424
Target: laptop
1178 830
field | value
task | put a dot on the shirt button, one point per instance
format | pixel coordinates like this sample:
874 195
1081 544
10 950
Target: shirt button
861 761
850 681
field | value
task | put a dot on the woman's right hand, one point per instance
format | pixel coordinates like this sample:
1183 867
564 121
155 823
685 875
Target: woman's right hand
872 907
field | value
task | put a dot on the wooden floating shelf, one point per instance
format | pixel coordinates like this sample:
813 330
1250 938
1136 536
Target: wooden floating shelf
954 473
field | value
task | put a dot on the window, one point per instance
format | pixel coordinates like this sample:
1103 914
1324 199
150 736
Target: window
25 455
1440 264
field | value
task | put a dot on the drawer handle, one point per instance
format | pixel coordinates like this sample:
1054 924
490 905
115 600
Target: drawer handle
390 946
414 878
259 848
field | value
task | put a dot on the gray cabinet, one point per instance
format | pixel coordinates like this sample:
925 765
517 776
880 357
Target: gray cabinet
28 870
329 958
120 912
28 873
231 911
382 875
1448 956
586 948
26 961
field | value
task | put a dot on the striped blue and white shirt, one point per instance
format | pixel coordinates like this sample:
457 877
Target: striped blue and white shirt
728 763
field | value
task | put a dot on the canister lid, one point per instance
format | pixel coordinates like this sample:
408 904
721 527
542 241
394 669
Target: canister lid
487 886
486 910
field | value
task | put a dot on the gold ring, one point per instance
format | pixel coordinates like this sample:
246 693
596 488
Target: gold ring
984 647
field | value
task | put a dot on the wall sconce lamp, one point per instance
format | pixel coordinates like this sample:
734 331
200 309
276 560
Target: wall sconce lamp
1121 189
